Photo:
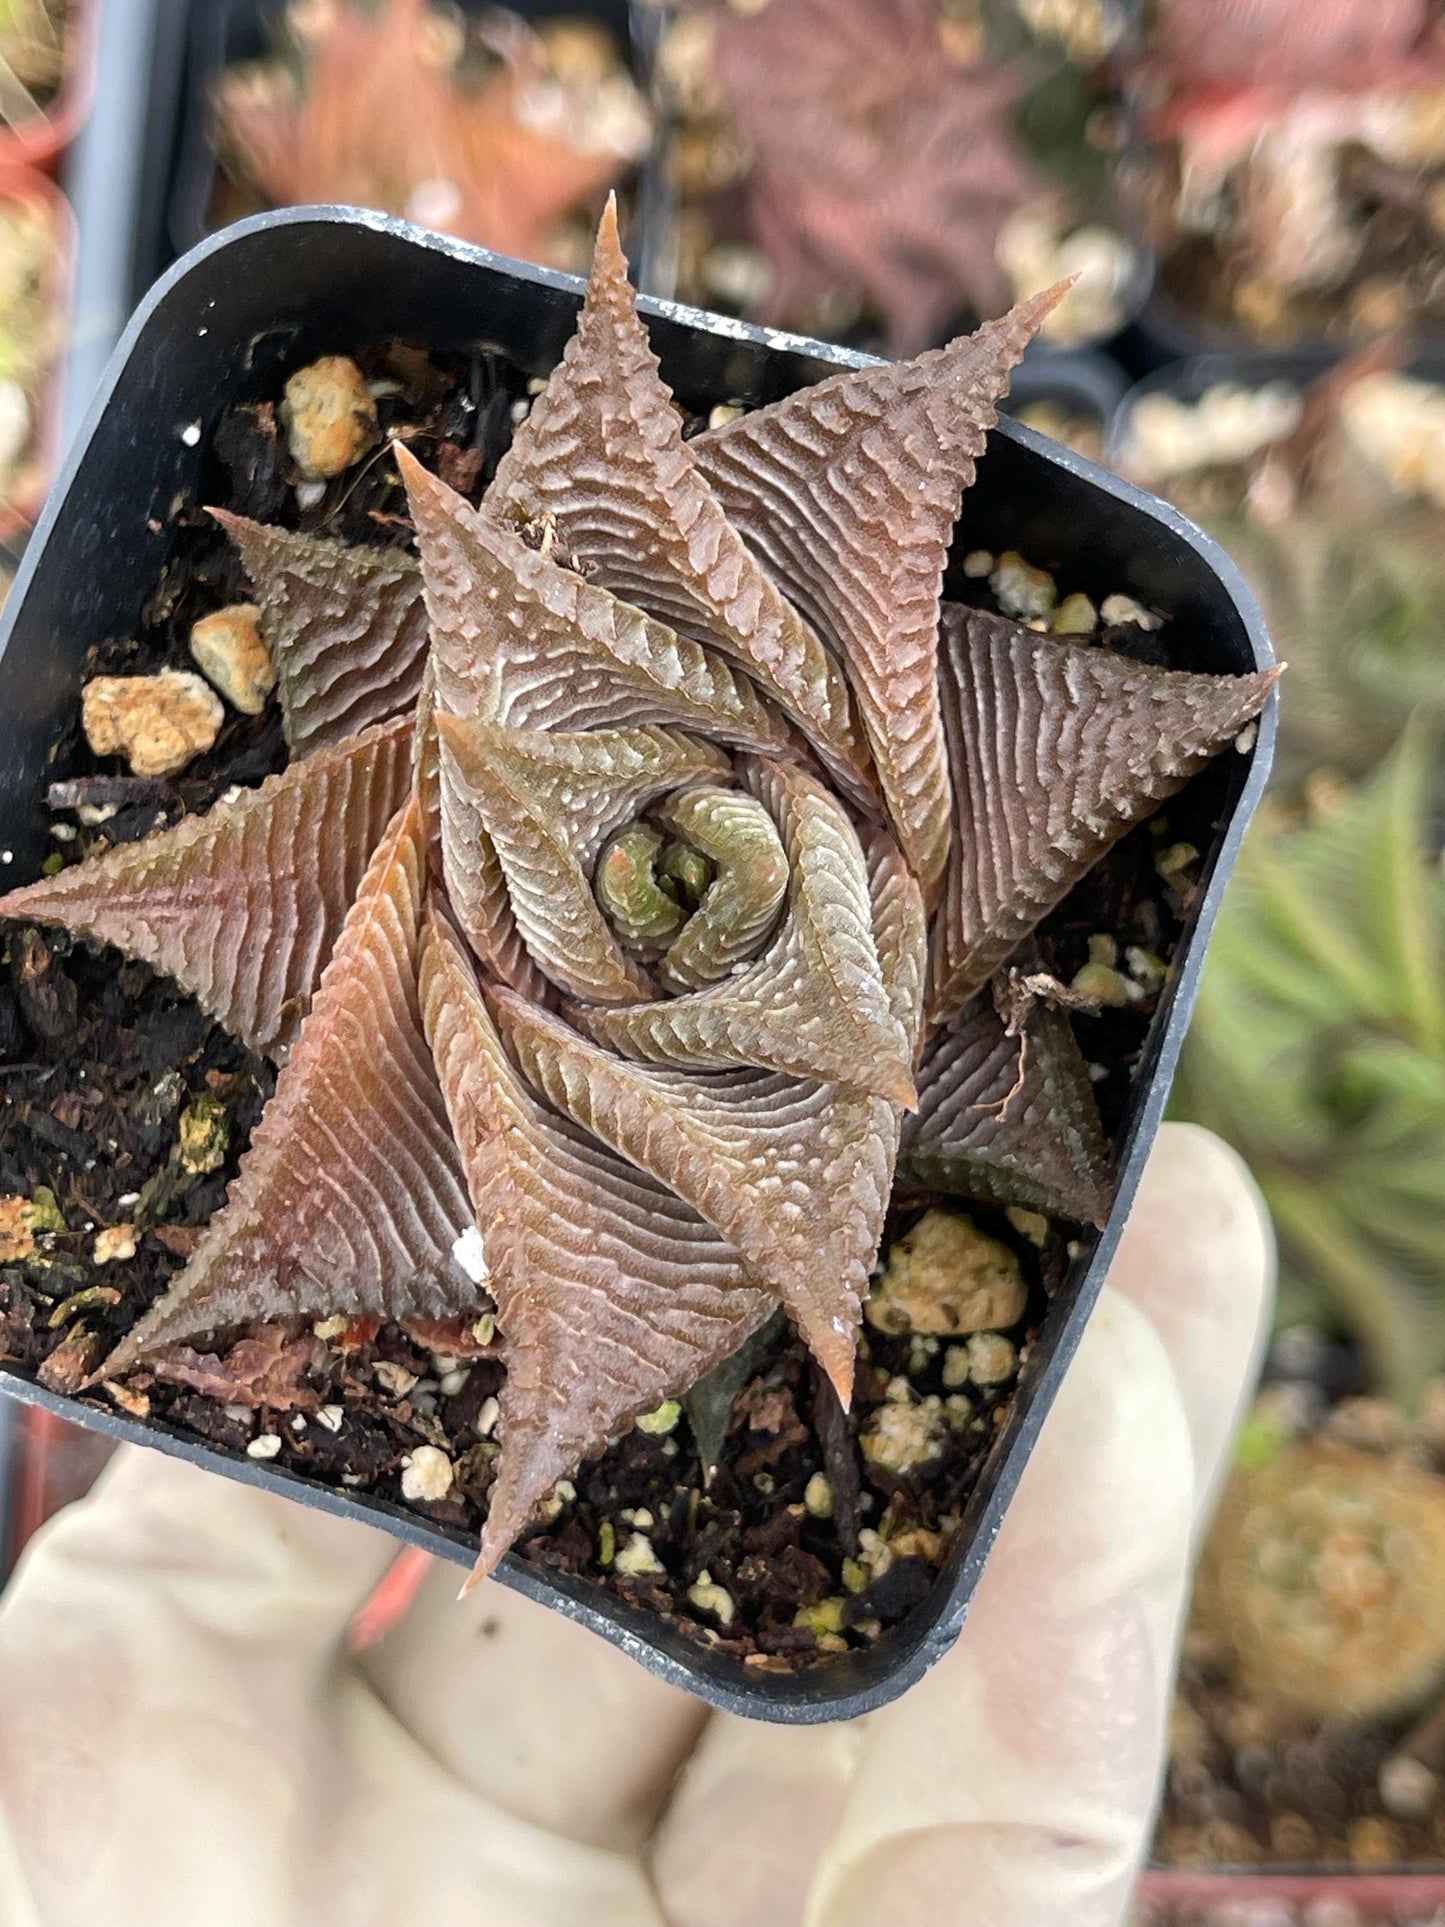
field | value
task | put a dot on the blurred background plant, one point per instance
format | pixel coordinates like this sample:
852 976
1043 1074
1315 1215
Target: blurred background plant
1319 1045
1294 164
1319 1051
473 123
890 170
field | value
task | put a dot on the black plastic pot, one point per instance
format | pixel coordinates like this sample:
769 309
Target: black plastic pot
229 323
9 1467
1080 381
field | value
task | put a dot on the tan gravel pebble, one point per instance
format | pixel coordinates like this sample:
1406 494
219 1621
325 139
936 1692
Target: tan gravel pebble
426 1475
157 723
945 1275
231 654
330 417
117 1241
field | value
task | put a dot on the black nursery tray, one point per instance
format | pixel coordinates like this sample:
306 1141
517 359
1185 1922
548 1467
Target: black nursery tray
228 324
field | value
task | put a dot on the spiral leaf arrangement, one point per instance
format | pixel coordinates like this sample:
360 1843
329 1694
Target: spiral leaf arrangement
593 914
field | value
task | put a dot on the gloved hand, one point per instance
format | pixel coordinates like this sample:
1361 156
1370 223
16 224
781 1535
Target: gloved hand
183 1737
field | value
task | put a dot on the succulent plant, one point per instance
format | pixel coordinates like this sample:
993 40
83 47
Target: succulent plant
591 917
882 166
386 104
1318 1049
1322 1581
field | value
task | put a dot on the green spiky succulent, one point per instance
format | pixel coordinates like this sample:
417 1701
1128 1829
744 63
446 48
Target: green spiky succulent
1319 1051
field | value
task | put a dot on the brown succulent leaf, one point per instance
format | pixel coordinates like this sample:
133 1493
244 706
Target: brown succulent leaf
1057 750
1009 1118
794 1173
241 906
548 801
383 118
601 461
900 931
612 1293
1205 46
476 887
518 639
881 167
345 627
848 492
350 1198
709 1404
814 1004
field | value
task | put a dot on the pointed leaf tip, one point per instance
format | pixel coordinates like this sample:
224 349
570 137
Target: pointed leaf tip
345 627
848 492
241 906
613 1292
601 459
607 250
350 1197
1057 750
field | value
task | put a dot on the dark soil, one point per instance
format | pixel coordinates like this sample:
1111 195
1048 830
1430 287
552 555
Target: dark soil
109 1079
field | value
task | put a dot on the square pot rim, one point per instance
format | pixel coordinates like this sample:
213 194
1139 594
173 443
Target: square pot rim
880 1674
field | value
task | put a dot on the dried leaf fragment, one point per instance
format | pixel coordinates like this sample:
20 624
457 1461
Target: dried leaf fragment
1009 1118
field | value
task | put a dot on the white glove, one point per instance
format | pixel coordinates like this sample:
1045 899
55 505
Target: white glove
184 1739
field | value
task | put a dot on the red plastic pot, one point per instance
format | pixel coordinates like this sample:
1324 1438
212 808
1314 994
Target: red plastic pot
52 1463
19 512
40 141
1175 1897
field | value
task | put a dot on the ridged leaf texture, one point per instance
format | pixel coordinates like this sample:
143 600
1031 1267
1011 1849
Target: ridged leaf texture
601 460
616 940
350 1197
345 627
243 906
611 1290
880 458
1057 751
1009 1115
